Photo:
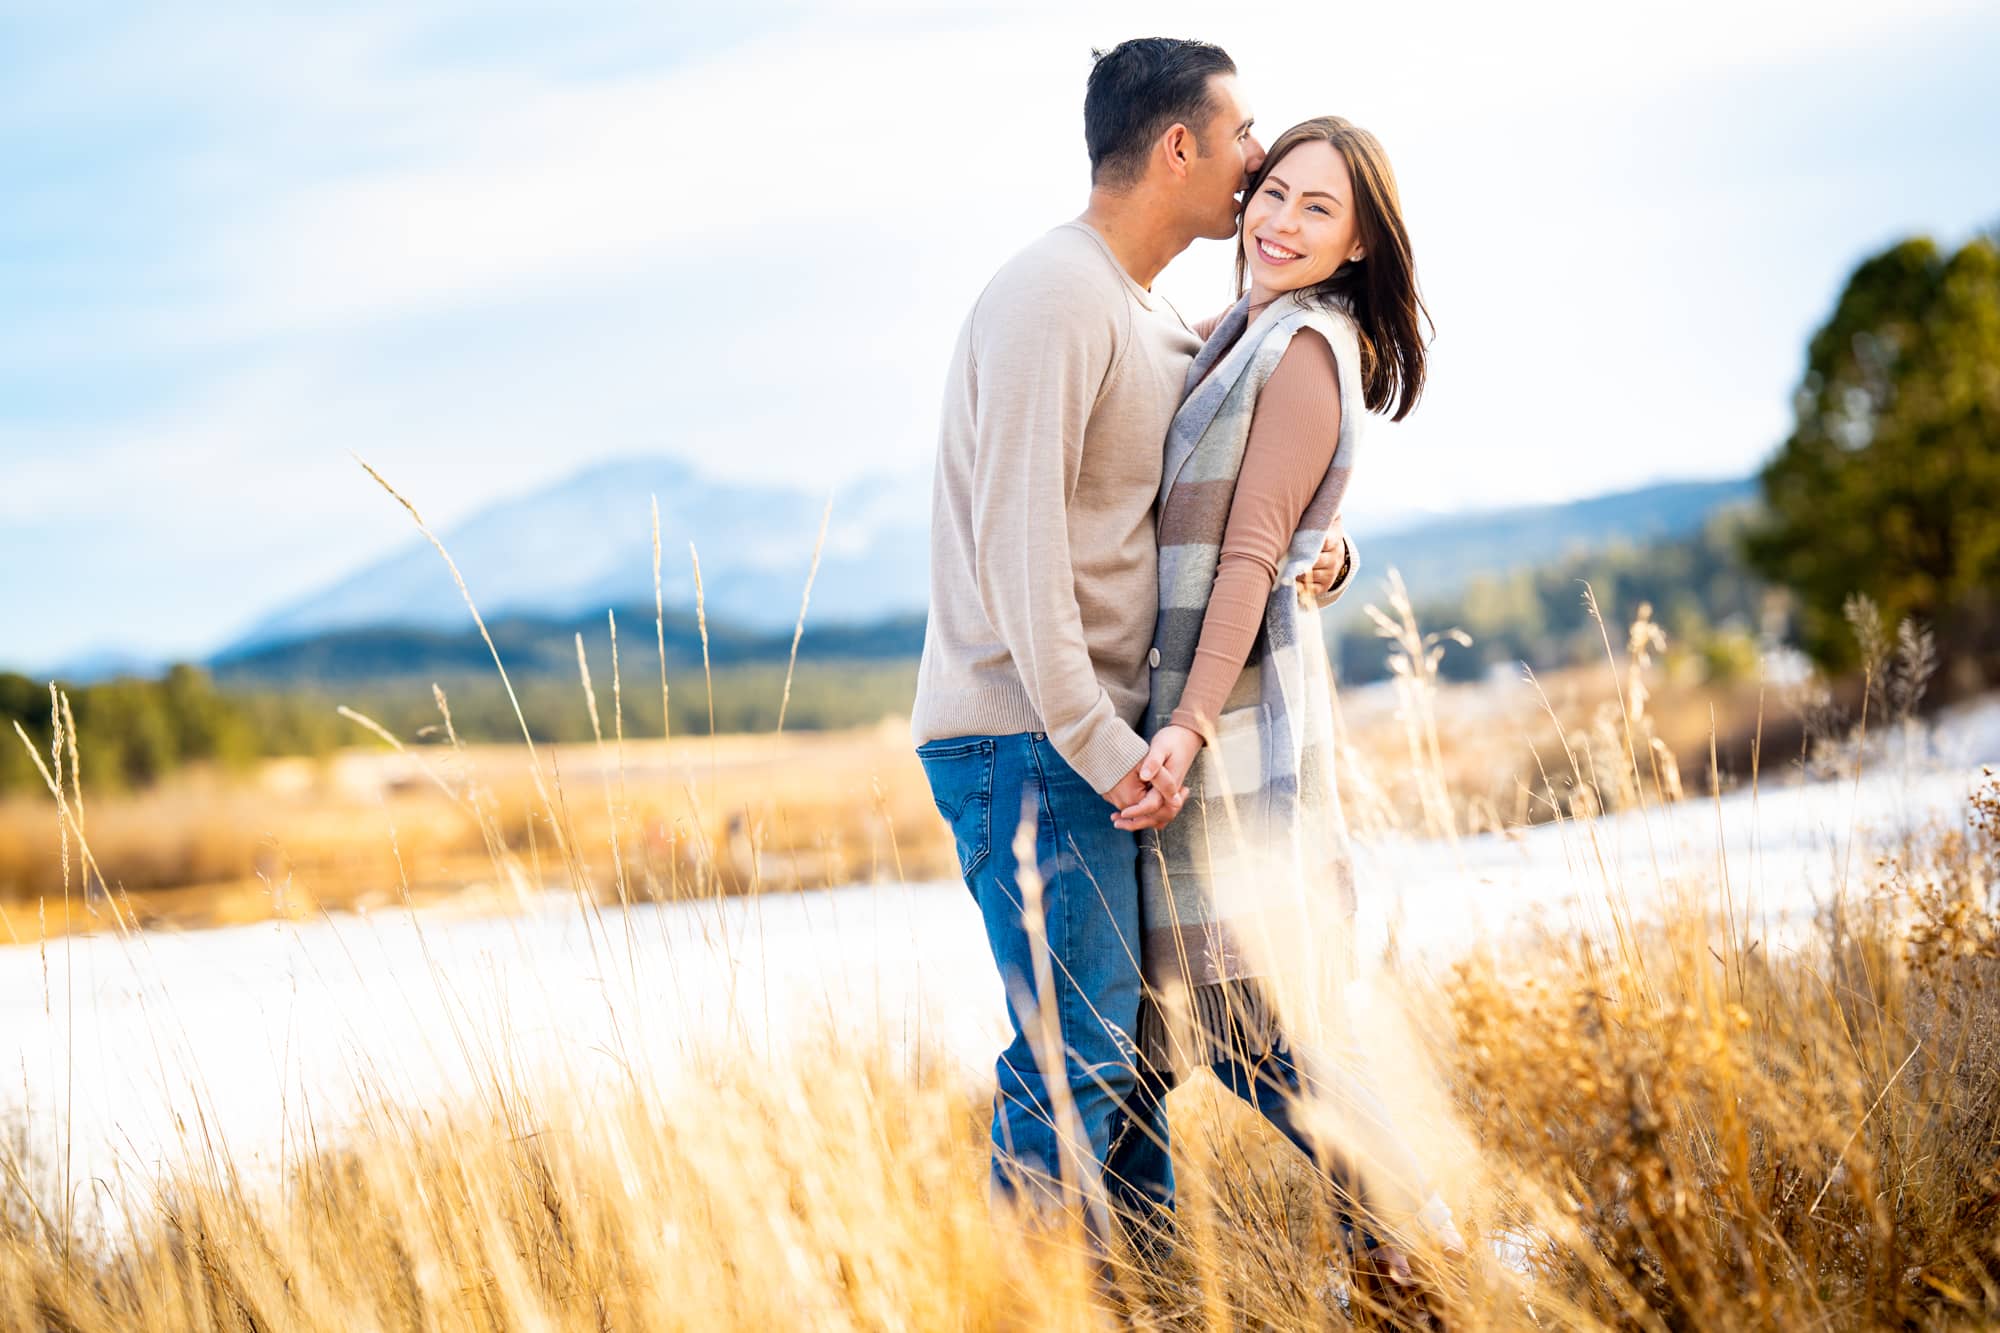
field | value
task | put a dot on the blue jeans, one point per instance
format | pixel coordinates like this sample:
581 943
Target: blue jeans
1272 1083
986 787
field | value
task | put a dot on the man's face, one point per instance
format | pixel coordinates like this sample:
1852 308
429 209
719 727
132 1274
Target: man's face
1229 156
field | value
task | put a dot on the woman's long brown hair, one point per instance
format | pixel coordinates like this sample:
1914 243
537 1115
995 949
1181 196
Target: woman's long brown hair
1379 290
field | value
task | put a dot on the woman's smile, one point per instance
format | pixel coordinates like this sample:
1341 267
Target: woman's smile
1273 253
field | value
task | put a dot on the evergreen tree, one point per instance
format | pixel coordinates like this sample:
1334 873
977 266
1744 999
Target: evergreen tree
1890 482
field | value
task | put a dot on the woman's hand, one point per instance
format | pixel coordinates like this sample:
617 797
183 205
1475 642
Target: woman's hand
1331 566
1173 750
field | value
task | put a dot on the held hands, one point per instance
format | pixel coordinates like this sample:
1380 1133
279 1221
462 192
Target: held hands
1328 569
1139 804
1151 794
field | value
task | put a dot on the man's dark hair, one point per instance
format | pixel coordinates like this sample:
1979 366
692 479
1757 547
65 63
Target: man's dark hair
1138 89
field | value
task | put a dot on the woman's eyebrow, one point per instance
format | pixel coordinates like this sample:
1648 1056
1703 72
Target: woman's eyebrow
1280 181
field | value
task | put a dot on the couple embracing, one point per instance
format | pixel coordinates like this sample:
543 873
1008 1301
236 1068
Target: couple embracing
1135 524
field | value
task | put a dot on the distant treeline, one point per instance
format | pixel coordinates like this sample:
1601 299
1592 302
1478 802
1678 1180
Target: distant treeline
133 732
533 645
282 699
825 695
1701 591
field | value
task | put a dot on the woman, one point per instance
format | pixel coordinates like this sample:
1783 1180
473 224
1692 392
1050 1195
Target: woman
1326 329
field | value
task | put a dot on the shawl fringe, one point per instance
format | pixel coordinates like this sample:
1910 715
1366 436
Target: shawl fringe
1202 1025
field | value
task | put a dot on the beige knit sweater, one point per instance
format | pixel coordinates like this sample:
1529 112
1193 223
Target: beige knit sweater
1044 572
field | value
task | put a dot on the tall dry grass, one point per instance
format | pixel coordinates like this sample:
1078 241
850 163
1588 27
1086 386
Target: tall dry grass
1685 1132
1673 1125
1736 1136
739 814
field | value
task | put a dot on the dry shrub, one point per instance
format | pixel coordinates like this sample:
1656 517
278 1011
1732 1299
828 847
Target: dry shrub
1740 1138
1427 757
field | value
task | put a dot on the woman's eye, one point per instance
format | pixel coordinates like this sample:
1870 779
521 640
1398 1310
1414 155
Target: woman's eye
1274 192
1321 211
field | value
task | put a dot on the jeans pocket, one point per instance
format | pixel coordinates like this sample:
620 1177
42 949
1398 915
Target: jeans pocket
961 778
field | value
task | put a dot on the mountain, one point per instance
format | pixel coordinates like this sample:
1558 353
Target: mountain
587 543
550 562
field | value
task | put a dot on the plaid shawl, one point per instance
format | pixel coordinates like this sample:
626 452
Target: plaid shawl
1263 817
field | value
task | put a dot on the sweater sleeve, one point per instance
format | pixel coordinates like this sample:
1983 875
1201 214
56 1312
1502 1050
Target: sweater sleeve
1294 430
1040 359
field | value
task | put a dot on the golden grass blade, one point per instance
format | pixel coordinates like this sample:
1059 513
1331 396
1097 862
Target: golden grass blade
805 600
660 629
708 676
527 736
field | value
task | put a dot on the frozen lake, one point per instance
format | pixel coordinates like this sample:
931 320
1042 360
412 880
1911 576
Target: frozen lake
239 1033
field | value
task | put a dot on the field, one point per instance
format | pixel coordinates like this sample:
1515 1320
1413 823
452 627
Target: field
1662 1111
359 830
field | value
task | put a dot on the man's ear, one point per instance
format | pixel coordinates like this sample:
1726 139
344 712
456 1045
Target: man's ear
1178 147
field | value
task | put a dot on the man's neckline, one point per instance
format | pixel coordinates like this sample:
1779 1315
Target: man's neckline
1147 297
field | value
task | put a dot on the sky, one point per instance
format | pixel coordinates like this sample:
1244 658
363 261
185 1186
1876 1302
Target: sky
482 247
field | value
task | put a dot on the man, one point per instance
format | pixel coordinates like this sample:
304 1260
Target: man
1034 676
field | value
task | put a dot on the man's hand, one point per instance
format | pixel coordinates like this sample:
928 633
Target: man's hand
1166 765
1331 566
1148 802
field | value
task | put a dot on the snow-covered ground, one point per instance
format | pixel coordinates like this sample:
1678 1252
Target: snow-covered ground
236 1036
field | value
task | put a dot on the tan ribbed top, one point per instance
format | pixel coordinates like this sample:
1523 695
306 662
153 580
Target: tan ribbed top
1294 429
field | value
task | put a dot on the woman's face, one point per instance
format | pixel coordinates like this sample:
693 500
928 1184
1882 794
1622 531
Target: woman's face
1299 225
